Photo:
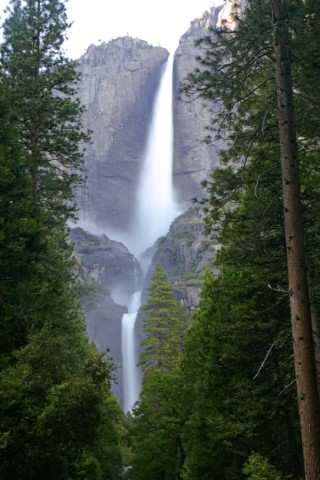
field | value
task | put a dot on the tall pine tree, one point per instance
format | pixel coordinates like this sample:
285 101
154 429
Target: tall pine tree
157 444
41 84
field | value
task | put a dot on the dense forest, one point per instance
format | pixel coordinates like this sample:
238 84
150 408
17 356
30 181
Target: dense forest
231 393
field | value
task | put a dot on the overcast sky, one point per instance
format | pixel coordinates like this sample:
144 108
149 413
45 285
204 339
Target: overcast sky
157 21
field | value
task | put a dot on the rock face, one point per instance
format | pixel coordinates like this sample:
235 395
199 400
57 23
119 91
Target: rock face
109 274
109 263
185 253
193 158
230 15
119 81
117 87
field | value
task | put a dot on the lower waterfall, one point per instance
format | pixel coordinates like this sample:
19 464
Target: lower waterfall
129 361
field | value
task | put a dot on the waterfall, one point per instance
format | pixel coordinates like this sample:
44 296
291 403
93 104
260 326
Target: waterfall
156 209
156 205
129 361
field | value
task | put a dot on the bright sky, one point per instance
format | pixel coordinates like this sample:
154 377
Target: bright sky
157 21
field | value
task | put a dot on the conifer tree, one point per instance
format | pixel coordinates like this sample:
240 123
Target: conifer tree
45 117
164 326
157 444
304 357
41 84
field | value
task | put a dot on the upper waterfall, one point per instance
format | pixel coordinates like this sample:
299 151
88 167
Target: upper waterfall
156 204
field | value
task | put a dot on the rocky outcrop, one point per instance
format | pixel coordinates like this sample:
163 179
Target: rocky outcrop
230 15
117 87
108 263
194 159
185 253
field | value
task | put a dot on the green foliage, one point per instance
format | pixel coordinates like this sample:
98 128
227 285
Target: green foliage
228 407
58 419
56 404
238 391
157 450
40 135
164 326
89 293
40 83
258 468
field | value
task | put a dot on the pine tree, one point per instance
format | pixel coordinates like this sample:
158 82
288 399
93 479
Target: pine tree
164 326
237 374
157 444
58 417
42 161
305 367
41 84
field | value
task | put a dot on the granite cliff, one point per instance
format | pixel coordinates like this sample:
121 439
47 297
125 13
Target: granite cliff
108 274
117 87
184 253
194 159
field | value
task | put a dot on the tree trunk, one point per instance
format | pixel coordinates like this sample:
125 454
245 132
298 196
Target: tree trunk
315 326
295 461
308 400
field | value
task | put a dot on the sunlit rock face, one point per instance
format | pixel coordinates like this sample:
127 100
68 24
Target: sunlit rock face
117 87
193 158
230 15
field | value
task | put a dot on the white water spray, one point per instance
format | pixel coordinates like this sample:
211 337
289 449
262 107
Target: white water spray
156 205
129 361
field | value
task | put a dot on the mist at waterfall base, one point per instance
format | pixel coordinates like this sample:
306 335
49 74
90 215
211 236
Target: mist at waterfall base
156 208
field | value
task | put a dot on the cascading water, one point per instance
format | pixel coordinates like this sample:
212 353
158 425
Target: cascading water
156 205
156 209
129 361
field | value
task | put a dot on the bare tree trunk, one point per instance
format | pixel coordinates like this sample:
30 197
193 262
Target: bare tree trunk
308 400
315 328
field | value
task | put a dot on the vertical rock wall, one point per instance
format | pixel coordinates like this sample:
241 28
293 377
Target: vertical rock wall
117 87
193 158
